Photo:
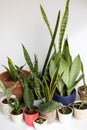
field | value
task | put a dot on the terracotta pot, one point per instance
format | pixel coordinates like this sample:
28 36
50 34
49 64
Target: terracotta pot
29 118
50 116
18 90
82 93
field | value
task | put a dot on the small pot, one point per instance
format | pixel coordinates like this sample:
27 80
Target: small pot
29 118
82 93
65 118
65 100
50 116
5 108
79 114
40 123
17 118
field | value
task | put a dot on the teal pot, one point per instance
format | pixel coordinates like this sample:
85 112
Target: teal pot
65 100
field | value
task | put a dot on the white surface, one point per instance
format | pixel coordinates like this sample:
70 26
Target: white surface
7 124
74 124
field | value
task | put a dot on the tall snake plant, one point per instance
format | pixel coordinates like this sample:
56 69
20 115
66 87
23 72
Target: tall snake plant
63 26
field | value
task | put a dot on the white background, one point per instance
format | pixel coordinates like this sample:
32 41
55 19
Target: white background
21 22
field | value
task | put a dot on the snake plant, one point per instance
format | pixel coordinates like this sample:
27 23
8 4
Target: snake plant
13 70
63 25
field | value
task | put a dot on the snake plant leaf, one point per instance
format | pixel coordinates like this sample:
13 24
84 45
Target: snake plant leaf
60 87
49 106
51 45
52 68
28 98
69 90
66 53
75 70
13 71
64 68
2 87
47 23
9 92
63 25
46 90
27 57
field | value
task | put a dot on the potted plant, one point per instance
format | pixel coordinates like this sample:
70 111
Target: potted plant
65 114
80 110
63 61
82 90
40 123
17 112
11 77
30 111
8 97
66 92
30 80
48 108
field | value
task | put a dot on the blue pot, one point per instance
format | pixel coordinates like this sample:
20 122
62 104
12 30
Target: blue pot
65 100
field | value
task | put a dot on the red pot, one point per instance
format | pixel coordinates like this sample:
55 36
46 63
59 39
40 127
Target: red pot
29 118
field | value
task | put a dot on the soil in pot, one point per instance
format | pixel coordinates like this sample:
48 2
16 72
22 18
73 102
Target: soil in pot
65 110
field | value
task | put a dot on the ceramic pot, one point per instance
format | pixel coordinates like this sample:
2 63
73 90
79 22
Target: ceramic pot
50 116
65 100
29 118
5 108
82 94
40 125
65 118
16 118
80 114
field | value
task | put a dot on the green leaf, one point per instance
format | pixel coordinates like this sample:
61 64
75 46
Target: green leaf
64 68
63 25
9 92
2 87
49 106
47 23
27 57
52 68
66 53
75 70
51 45
28 98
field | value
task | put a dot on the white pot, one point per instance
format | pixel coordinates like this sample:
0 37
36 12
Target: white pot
17 118
38 102
80 114
65 118
5 108
40 126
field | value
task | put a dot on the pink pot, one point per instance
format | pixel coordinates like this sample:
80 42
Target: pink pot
29 118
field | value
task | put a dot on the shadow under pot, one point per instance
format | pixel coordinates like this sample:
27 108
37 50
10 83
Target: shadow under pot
65 100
